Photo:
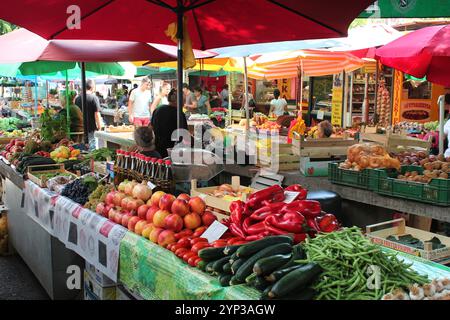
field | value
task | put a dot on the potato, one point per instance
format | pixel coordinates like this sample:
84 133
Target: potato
423 161
437 165
428 166
443 175
414 173
441 157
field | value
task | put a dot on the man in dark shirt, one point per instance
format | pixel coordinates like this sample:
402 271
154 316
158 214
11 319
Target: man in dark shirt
164 123
94 121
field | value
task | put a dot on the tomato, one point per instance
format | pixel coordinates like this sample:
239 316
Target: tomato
199 231
191 260
183 233
196 262
175 247
187 255
196 240
170 246
198 246
231 241
181 251
219 243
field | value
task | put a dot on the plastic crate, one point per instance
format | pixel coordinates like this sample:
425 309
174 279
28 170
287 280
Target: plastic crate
352 178
436 192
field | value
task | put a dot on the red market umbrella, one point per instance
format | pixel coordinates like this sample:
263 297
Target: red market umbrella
425 52
210 23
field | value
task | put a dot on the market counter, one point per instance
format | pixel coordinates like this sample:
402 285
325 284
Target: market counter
352 194
153 272
114 140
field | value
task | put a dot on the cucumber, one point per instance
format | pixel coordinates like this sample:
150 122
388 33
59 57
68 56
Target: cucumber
280 273
233 258
234 281
224 280
266 265
227 268
218 264
247 268
237 264
229 250
209 267
250 278
202 265
211 254
295 280
297 254
251 248
265 294
261 283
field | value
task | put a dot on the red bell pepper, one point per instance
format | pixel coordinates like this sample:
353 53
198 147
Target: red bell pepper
312 224
256 228
294 187
237 231
308 208
298 188
262 213
254 237
299 237
290 222
275 231
274 193
327 222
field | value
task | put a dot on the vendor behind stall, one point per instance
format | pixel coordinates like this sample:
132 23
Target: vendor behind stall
145 142
278 106
201 105
324 129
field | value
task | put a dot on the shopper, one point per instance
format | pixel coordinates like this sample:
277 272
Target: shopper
75 114
123 100
162 98
278 106
324 129
189 98
145 142
139 104
225 96
214 98
94 119
251 99
164 123
135 86
201 104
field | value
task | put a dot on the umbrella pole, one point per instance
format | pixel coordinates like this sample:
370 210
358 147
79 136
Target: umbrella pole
36 92
230 107
83 101
441 102
247 113
180 32
67 103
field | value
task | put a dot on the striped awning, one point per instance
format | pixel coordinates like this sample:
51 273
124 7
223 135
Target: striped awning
312 62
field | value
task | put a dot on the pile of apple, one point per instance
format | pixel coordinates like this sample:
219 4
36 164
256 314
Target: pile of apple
159 216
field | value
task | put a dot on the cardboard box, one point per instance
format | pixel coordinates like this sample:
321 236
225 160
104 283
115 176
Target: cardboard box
98 276
313 168
103 293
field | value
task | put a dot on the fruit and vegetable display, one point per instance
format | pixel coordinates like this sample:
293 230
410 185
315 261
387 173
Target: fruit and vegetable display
434 167
345 257
26 161
102 154
15 133
227 192
368 156
98 196
265 213
63 153
269 125
431 126
80 189
383 104
438 289
11 124
59 182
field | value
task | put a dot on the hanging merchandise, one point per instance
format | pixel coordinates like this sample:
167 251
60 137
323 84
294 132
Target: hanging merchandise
383 104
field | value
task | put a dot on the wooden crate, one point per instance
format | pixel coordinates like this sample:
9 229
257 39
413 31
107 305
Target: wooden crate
396 143
278 154
45 168
397 228
322 148
215 202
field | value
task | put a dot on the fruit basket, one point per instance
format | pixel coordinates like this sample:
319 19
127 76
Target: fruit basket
389 233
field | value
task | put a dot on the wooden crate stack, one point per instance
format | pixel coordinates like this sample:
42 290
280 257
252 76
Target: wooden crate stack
277 154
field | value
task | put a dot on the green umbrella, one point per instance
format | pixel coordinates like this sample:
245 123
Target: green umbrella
153 71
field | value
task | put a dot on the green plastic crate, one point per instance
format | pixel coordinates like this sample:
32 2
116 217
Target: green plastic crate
352 178
436 192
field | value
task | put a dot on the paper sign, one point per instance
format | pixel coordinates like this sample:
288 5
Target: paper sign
214 231
290 196
320 115
151 185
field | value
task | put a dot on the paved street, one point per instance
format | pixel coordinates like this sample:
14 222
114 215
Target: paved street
17 282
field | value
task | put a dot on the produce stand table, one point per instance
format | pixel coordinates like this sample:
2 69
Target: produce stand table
114 140
352 194
44 254
153 272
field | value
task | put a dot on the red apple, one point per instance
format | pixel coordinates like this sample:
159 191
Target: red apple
165 203
192 221
147 230
110 197
154 234
124 202
150 213
132 223
112 213
139 227
134 204
208 218
184 196
197 205
142 211
100 208
166 237
125 219
159 218
180 207
108 207
118 197
118 218
154 200
174 222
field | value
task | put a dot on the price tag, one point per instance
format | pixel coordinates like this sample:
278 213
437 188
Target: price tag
320 115
151 185
214 231
290 196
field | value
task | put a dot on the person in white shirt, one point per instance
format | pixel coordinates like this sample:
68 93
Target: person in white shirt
162 98
224 95
139 104
278 106
447 126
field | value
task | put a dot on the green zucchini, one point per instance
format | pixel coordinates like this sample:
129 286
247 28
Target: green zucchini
265 294
297 254
229 250
295 280
211 254
209 267
247 268
234 281
261 283
250 278
251 248
266 265
237 264
227 268
202 265
224 280
233 258
218 264
280 273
